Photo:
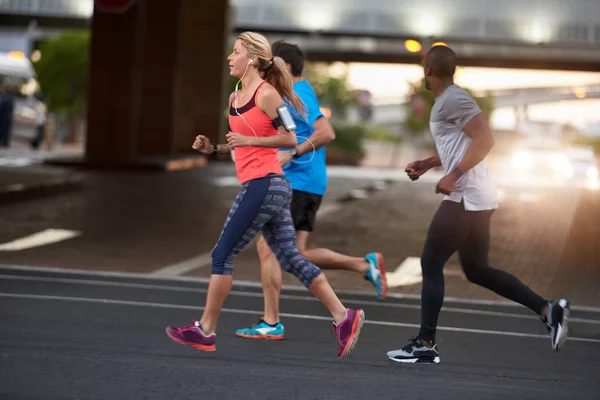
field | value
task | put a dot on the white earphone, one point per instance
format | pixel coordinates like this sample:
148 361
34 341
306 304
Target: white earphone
244 119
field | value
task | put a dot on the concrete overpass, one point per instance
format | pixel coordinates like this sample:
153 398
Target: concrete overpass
527 96
553 34
549 34
181 42
393 114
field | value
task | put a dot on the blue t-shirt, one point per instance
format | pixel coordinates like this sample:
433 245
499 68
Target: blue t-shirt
303 175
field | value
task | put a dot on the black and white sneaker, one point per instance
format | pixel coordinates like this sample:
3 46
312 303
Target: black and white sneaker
416 352
557 322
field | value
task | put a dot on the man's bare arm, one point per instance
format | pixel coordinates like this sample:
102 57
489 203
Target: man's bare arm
482 142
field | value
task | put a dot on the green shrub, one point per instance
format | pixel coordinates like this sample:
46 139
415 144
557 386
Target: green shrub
379 134
347 148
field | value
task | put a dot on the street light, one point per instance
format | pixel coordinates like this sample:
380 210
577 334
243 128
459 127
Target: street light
412 46
580 93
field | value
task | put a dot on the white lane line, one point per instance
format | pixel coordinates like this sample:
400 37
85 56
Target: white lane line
252 284
287 315
226 181
283 296
42 238
185 266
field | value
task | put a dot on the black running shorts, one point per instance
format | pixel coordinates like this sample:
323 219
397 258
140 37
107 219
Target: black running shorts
304 209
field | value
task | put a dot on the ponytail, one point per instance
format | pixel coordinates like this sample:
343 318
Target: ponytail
272 69
277 74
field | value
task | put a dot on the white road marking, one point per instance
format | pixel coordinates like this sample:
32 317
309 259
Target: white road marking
252 284
187 289
42 238
185 266
287 315
407 273
225 181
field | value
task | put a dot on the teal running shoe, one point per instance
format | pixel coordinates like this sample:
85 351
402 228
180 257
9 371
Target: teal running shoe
262 330
376 274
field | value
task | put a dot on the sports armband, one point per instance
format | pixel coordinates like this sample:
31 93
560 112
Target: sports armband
284 118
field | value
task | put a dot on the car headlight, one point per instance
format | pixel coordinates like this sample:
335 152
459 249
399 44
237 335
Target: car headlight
592 173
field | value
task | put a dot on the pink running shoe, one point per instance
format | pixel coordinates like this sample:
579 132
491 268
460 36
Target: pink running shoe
192 335
348 331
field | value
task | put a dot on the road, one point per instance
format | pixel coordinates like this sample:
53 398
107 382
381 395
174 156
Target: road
92 335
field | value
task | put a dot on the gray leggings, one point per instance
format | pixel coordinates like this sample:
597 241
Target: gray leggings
263 205
468 232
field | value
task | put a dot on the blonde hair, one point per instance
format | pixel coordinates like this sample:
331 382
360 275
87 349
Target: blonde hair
272 70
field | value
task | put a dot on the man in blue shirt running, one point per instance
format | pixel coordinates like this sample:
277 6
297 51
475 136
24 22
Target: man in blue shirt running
305 168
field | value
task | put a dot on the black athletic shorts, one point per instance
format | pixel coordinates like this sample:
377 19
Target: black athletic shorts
304 209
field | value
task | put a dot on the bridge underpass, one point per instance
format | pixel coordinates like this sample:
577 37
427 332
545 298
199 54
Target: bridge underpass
332 48
128 52
393 114
486 33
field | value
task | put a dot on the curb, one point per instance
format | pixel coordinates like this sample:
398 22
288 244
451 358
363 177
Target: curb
159 164
19 192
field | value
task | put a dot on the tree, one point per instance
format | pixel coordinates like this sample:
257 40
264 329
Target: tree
332 92
422 101
63 75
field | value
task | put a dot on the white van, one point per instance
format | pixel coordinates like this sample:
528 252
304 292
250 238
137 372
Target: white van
18 76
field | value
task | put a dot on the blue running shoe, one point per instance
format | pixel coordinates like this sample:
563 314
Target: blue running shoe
262 330
376 274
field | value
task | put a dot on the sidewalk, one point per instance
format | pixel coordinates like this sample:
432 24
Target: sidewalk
544 243
141 222
21 183
27 173
24 176
136 221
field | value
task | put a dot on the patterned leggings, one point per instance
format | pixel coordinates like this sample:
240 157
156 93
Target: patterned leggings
263 205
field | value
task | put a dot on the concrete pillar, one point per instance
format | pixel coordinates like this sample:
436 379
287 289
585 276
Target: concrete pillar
156 80
200 84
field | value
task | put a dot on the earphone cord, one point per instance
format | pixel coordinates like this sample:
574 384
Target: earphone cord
235 98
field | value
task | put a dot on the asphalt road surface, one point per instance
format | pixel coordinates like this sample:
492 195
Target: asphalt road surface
83 335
